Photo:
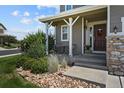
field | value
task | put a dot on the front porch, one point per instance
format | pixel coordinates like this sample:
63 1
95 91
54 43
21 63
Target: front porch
86 28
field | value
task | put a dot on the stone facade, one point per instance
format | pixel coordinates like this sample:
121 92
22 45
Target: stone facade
115 55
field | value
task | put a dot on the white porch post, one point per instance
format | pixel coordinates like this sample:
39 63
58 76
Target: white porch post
46 30
82 35
47 26
70 24
70 36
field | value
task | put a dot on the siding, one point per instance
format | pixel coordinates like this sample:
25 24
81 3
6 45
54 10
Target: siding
62 7
77 6
1 31
116 12
76 37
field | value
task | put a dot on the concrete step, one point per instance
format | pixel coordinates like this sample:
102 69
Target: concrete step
97 66
90 59
90 62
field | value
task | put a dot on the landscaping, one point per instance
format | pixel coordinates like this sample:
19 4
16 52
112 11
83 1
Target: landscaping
8 75
34 66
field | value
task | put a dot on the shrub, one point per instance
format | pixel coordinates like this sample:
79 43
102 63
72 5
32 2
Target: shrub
53 63
40 66
21 61
28 64
34 45
36 50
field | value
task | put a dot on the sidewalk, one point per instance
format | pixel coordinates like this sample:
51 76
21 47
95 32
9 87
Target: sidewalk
10 55
2 49
96 76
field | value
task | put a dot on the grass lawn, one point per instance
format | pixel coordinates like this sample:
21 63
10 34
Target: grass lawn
8 76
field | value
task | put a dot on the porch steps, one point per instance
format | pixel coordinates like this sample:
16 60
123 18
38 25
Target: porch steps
91 66
91 61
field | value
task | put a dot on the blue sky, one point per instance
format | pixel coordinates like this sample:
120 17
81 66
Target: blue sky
23 19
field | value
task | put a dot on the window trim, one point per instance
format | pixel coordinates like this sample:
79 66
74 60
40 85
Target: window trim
62 33
66 7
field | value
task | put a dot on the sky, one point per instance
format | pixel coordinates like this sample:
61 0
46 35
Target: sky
21 20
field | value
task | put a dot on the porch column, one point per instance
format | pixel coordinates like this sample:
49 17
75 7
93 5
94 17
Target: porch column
46 30
70 36
47 26
70 24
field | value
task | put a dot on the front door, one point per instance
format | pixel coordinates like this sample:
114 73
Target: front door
99 37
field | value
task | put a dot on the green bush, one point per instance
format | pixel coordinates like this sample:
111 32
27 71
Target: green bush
40 66
28 64
34 45
35 65
21 61
36 50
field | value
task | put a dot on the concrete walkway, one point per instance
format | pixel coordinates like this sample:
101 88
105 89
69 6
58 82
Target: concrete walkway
96 75
89 74
2 48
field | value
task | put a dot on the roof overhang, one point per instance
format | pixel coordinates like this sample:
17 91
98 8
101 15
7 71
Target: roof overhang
73 12
3 34
3 27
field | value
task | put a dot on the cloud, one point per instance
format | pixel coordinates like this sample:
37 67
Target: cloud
26 21
26 13
15 13
37 17
57 7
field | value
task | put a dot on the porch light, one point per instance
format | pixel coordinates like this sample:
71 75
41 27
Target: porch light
115 29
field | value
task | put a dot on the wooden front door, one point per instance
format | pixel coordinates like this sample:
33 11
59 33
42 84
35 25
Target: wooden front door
99 37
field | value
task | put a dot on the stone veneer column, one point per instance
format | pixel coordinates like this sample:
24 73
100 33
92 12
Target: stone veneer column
115 55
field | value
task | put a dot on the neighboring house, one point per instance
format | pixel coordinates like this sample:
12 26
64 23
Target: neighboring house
82 27
2 32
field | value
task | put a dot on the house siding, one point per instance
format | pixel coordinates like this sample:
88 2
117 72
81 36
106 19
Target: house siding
76 34
62 7
1 31
116 12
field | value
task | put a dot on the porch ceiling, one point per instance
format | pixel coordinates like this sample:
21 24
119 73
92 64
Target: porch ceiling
92 15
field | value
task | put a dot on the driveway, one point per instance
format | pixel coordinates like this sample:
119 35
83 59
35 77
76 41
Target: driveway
9 52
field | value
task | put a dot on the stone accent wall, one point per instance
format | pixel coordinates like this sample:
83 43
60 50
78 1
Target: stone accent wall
115 55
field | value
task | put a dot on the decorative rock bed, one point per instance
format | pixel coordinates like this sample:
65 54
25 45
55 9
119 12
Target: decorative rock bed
55 80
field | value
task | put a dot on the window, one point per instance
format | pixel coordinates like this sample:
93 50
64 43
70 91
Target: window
64 32
68 7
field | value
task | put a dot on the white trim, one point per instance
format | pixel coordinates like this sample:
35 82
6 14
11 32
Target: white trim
82 35
55 34
70 36
66 7
75 11
91 24
66 22
108 20
50 24
75 20
122 20
67 32
46 30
